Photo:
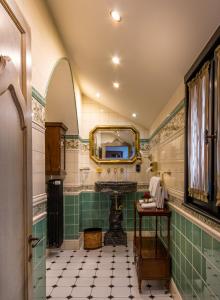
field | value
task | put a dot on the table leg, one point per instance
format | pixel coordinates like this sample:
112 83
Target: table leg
168 234
156 236
140 254
135 236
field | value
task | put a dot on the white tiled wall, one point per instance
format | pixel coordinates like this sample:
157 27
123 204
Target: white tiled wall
94 114
38 154
170 158
72 168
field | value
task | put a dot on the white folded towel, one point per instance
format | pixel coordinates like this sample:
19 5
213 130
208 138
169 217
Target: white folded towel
141 201
148 205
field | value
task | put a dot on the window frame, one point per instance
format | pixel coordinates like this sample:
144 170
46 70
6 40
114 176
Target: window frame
208 209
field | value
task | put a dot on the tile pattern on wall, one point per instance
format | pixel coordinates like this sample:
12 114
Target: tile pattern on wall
91 209
38 113
39 208
171 126
195 259
39 260
39 195
207 221
71 217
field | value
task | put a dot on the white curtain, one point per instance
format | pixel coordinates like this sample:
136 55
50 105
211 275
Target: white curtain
218 125
197 124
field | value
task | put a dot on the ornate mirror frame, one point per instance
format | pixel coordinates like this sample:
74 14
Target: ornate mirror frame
115 161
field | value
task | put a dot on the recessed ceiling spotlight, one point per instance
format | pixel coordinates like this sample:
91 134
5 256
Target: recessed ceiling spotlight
115 15
116 84
115 60
134 115
97 95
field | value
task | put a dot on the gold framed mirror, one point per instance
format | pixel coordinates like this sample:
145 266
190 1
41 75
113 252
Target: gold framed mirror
113 144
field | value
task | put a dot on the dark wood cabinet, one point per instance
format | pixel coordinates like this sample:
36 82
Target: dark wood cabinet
55 149
152 258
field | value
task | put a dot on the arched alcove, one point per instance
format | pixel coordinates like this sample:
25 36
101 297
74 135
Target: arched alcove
60 97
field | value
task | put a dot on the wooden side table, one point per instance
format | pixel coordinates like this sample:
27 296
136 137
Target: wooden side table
152 258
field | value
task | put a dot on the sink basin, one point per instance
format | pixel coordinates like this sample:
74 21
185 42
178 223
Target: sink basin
119 186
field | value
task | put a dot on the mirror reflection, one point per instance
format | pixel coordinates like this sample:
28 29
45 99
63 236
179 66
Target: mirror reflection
114 144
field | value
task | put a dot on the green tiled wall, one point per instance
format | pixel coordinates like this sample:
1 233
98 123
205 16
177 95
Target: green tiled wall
195 259
90 209
39 261
71 217
95 208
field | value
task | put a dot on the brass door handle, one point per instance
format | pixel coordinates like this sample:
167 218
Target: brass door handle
34 241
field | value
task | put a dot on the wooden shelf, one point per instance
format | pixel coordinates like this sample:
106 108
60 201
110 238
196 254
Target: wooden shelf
151 248
152 258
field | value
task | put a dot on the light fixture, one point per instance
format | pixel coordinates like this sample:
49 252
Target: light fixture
116 84
115 60
115 15
134 115
97 95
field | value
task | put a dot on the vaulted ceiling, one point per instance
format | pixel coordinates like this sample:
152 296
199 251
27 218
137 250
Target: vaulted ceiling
156 40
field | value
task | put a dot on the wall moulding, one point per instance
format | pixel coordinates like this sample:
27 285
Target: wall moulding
39 206
37 96
170 130
39 217
39 199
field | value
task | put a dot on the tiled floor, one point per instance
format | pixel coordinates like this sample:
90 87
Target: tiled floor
107 273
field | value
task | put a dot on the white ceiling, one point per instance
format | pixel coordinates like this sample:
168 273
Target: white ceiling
157 41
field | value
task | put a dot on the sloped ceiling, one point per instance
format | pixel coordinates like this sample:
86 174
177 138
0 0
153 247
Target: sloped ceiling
157 41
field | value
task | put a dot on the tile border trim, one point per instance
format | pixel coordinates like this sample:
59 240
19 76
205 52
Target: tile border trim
179 106
37 96
39 206
39 217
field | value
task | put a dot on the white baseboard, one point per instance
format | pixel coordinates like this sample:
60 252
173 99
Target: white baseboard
76 244
72 244
174 290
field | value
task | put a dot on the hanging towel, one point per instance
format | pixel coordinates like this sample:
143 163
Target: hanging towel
161 197
154 186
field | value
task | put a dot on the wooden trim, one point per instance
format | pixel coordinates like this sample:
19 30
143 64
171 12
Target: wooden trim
56 124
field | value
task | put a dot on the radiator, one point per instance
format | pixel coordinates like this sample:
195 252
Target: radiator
55 213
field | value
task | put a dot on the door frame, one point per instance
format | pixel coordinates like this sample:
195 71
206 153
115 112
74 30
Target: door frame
16 16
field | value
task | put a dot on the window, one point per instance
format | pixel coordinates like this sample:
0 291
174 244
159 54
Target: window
202 163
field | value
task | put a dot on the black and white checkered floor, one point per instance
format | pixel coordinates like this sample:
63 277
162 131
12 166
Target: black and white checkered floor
106 273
